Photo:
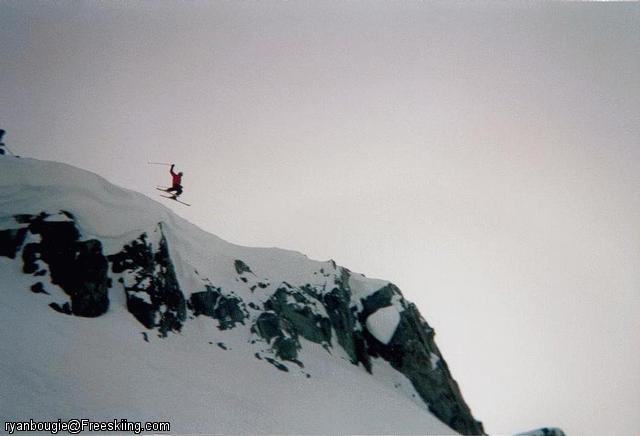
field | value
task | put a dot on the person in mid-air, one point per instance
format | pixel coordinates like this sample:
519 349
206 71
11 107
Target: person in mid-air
176 182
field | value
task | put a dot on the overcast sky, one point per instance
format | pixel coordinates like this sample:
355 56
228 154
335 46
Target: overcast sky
485 157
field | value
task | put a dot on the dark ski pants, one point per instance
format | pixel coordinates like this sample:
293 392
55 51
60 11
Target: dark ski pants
176 188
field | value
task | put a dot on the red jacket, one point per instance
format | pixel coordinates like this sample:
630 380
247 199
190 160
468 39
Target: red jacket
177 178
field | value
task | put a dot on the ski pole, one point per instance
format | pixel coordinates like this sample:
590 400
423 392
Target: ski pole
159 163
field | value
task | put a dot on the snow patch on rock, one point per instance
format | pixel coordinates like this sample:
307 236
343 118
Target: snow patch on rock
382 323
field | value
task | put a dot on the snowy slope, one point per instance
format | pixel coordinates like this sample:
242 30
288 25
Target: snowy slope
56 366
202 365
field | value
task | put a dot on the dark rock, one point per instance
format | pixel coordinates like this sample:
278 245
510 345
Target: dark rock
143 311
222 345
38 288
86 282
65 308
11 241
342 315
379 299
204 303
230 310
30 256
286 348
163 306
301 319
410 351
277 364
78 267
268 326
241 267
227 309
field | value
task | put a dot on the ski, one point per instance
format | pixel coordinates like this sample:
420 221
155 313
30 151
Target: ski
175 199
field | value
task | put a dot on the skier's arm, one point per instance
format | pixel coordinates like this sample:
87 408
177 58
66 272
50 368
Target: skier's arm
171 170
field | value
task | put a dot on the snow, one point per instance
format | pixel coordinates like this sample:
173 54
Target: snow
58 217
362 286
117 216
60 366
382 323
142 296
434 359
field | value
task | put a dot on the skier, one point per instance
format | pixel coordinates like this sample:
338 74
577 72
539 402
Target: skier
176 183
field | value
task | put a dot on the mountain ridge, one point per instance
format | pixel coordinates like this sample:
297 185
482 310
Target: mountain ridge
94 248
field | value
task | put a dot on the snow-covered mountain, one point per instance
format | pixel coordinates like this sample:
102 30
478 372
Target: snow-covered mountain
111 306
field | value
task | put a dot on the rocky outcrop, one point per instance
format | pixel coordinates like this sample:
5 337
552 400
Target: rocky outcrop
78 267
227 309
276 332
338 304
331 314
301 313
11 241
413 352
153 294
318 314
241 267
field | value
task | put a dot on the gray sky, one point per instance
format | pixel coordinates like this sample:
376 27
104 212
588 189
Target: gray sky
485 157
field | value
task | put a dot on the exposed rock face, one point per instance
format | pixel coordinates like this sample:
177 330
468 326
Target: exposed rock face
241 267
413 352
227 309
276 317
11 241
78 267
300 311
153 294
342 314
